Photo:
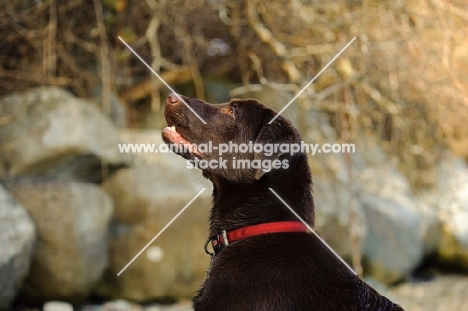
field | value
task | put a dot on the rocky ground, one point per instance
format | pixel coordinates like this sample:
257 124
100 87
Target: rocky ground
444 293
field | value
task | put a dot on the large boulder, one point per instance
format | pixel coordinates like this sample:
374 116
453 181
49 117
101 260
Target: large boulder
147 198
394 246
359 211
396 227
337 216
17 236
52 133
72 224
451 198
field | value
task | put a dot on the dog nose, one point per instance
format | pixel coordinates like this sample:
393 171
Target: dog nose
172 99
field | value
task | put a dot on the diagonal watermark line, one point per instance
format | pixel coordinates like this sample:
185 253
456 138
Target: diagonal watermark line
159 77
313 231
159 233
311 81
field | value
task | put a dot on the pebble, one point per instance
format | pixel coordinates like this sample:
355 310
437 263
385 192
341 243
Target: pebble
120 305
57 306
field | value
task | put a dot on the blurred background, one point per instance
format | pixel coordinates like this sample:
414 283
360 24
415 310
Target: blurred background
74 210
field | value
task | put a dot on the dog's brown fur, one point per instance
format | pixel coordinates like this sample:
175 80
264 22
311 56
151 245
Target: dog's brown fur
279 271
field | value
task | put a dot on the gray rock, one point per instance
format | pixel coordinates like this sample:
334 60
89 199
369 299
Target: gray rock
72 225
146 200
333 218
393 246
451 198
120 305
339 217
17 236
430 227
390 227
51 133
396 227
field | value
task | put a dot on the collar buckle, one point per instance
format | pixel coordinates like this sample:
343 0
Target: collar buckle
218 242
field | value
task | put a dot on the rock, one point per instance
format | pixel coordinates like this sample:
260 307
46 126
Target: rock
72 225
120 305
430 226
393 245
332 216
451 198
17 236
57 306
396 229
53 134
388 225
339 218
146 200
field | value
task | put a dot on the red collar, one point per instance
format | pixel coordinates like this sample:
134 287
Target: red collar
223 238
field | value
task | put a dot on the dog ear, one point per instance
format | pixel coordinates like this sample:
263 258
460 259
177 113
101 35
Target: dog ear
279 132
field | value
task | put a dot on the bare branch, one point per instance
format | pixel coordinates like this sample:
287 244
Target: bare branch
266 36
105 57
153 41
192 61
50 60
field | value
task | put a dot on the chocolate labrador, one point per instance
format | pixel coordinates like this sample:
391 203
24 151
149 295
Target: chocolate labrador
263 258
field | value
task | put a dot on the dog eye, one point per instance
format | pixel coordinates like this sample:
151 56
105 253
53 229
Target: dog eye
229 110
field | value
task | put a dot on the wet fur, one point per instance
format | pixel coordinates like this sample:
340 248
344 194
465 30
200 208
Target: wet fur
281 271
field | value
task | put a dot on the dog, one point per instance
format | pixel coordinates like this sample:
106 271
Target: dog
262 256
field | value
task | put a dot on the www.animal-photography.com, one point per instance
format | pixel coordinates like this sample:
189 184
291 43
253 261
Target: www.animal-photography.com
219 155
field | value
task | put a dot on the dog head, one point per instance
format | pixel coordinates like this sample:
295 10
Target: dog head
237 143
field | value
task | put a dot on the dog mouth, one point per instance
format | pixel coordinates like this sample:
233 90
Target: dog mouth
178 143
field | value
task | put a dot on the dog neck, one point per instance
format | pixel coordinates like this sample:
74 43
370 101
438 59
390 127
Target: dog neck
258 204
